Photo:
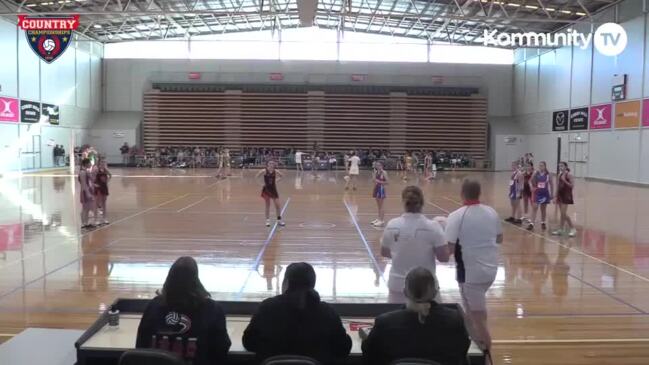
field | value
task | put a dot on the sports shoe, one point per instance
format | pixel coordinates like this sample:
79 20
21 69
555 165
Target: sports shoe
543 226
510 220
267 222
374 222
572 233
281 223
378 223
557 232
517 222
530 227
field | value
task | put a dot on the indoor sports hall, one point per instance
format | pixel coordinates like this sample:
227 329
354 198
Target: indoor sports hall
324 182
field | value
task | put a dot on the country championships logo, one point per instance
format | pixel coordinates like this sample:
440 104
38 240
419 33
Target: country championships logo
610 39
48 37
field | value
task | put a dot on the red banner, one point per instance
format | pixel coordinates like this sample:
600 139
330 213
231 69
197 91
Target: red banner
26 22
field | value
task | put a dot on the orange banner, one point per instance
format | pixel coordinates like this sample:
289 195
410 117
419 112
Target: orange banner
627 114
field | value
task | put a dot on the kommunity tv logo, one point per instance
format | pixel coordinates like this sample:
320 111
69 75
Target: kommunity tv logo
610 39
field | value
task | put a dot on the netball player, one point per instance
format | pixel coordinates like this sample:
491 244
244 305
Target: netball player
102 177
226 163
298 160
565 185
542 188
515 193
428 162
87 195
269 191
380 180
354 162
409 165
527 190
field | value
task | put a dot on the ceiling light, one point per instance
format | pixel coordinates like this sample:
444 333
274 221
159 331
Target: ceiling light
531 6
580 14
566 11
31 5
97 26
550 9
514 5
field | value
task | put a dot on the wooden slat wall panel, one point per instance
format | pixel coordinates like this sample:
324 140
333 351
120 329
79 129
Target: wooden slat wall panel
396 121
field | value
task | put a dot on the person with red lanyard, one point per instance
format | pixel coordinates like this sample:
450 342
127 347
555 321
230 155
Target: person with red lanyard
473 233
542 188
565 185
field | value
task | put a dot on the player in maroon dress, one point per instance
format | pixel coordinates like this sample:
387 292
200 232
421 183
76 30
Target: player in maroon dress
87 193
269 191
515 193
102 177
565 185
527 190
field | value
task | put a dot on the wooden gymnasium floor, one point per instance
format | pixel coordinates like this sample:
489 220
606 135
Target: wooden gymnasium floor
556 301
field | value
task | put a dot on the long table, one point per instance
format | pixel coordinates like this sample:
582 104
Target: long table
104 344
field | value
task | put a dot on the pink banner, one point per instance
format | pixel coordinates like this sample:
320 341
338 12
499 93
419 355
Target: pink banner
645 113
600 116
9 110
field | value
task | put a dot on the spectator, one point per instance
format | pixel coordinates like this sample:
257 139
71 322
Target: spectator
473 233
61 155
183 311
412 240
424 329
124 150
297 322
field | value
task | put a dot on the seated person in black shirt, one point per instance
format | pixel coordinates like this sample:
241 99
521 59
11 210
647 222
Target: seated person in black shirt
183 319
424 329
297 322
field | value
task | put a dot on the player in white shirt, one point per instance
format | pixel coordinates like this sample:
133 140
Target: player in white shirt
412 240
473 233
354 170
298 160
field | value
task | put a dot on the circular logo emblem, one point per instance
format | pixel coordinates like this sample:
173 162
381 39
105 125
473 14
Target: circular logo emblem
610 39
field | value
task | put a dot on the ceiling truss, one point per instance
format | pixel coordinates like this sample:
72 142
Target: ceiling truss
437 21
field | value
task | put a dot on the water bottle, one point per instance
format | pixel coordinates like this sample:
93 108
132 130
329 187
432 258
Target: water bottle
113 317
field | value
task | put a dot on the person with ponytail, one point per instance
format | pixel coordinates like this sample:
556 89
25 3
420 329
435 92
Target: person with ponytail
565 185
412 240
183 318
424 329
297 322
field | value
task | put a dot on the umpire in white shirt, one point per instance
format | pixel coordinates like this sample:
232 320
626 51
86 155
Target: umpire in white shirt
412 240
473 233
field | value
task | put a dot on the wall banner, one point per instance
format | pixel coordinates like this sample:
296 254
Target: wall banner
30 111
600 116
627 114
579 119
560 121
51 113
9 110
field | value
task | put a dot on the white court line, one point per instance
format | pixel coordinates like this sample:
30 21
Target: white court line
437 206
204 212
568 247
85 234
193 204
134 215
118 175
575 341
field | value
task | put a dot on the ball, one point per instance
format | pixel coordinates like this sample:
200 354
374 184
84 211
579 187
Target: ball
49 45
